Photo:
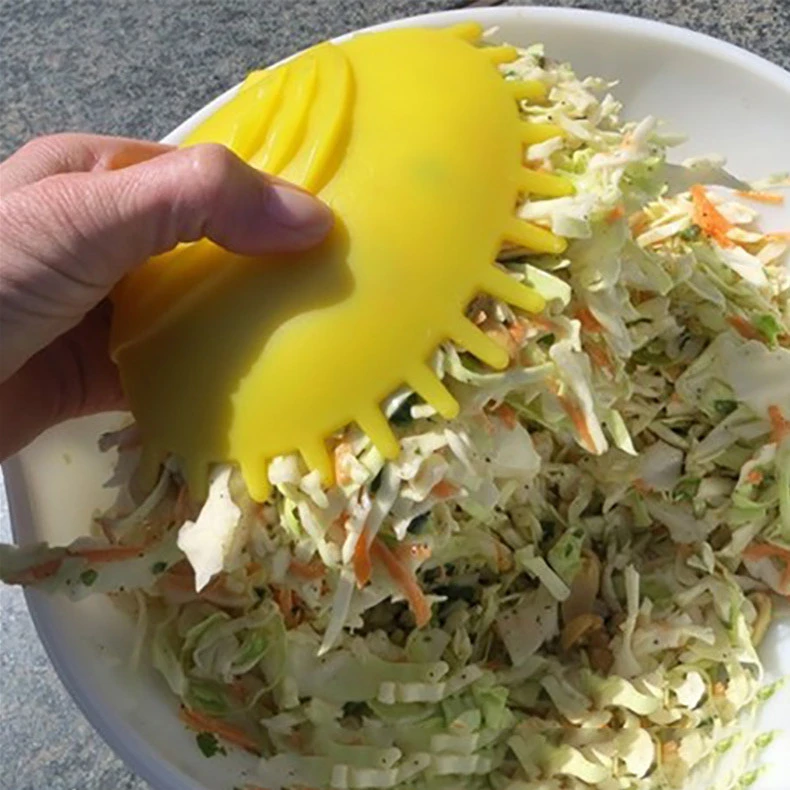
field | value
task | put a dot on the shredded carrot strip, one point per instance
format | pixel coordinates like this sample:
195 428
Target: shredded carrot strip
546 324
409 552
588 321
284 598
579 422
342 457
444 489
46 569
618 212
406 581
501 335
107 553
503 561
181 568
180 581
518 332
507 414
600 356
743 328
307 570
203 723
36 573
755 477
709 218
337 529
762 197
757 551
363 567
637 223
780 427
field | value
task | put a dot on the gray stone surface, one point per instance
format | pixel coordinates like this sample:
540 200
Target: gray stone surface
761 26
138 67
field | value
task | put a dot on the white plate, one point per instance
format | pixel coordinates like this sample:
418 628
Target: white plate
728 100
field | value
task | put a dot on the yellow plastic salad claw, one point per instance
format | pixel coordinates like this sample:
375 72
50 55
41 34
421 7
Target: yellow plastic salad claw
414 139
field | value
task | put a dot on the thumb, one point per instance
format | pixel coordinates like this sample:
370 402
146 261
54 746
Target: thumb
205 191
65 241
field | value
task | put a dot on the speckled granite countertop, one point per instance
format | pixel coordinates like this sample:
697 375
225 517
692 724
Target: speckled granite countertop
131 67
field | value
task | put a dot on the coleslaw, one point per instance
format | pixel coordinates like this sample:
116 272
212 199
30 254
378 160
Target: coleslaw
563 587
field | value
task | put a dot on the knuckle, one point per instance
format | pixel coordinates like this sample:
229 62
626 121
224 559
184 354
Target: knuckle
56 153
50 145
213 165
37 148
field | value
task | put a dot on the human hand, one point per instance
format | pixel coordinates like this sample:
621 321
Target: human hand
79 211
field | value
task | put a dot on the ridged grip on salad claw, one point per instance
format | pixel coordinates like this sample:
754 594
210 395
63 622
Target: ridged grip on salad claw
414 139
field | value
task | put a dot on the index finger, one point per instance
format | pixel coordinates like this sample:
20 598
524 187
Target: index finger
73 153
